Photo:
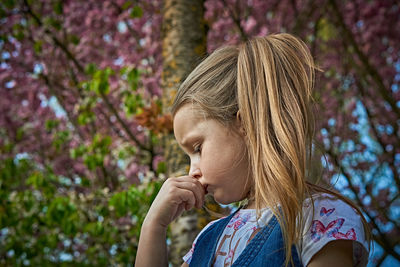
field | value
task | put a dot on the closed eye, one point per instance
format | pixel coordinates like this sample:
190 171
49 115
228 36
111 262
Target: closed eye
197 148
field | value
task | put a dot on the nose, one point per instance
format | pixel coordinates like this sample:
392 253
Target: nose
195 171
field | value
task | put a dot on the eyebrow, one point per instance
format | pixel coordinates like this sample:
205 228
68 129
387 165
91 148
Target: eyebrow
189 139
184 146
185 141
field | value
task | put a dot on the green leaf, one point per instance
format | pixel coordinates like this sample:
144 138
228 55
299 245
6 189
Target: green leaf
77 152
9 3
73 153
49 21
38 46
100 84
118 202
133 78
74 39
133 103
154 138
327 30
86 117
95 86
60 138
82 119
161 167
90 68
51 124
18 32
58 7
130 104
85 182
108 71
3 13
123 70
126 5
7 148
93 228
59 210
136 12
36 180
90 161
106 143
20 134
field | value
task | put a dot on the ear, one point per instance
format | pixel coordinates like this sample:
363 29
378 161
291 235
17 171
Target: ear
239 124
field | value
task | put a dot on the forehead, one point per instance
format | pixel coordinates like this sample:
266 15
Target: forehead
186 119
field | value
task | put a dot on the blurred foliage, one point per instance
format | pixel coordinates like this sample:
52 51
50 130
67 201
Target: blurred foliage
45 220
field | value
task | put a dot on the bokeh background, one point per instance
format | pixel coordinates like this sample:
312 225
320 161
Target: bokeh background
86 138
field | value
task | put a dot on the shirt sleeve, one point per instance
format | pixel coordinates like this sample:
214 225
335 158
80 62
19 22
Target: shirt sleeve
332 219
188 257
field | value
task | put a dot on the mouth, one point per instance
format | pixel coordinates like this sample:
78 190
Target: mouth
205 189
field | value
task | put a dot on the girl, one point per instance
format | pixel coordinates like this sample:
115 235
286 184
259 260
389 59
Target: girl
244 118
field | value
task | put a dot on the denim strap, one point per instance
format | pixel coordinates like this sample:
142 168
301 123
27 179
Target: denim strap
255 245
265 249
206 244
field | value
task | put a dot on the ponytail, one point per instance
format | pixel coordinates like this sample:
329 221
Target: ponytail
274 81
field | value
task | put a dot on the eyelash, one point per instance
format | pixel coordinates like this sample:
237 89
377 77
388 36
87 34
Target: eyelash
197 148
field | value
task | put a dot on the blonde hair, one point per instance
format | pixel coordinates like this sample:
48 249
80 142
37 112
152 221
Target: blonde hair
269 81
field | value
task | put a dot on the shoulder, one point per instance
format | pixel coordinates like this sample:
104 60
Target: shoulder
210 224
324 205
327 218
188 257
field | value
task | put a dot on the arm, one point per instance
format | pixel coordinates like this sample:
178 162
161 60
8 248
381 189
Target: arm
335 253
152 250
175 196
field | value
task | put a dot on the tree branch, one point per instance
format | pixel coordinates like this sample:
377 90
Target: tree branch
60 100
53 37
369 69
381 238
81 69
236 21
379 139
122 122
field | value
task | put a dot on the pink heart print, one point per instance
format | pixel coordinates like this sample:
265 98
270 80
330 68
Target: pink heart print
318 230
237 222
326 212
349 235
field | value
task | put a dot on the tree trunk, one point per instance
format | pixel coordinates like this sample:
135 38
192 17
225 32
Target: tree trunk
184 44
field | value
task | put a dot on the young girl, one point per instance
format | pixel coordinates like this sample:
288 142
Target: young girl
244 118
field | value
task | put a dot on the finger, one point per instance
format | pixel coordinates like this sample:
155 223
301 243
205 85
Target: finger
187 182
187 198
179 211
194 180
190 179
197 190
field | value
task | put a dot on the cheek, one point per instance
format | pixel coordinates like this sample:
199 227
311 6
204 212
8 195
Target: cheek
222 163
210 167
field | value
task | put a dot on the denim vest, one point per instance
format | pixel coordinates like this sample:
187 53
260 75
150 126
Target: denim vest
265 249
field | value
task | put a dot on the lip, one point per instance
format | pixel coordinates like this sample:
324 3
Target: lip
205 189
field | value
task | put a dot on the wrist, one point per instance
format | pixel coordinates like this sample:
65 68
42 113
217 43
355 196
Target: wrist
150 225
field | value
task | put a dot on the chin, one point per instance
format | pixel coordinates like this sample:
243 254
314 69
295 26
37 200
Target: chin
222 200
226 200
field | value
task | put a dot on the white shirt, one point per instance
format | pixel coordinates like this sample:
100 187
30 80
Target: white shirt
333 219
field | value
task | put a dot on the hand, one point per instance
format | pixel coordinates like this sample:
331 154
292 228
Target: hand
176 195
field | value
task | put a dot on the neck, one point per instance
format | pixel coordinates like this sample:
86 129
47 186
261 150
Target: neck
248 203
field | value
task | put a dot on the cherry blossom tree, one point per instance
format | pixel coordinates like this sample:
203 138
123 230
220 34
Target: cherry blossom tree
82 124
80 84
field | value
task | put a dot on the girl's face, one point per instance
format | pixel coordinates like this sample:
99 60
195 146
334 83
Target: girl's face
218 156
